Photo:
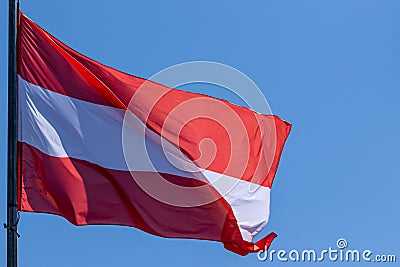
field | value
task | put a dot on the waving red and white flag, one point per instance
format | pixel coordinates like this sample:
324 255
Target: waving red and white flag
98 146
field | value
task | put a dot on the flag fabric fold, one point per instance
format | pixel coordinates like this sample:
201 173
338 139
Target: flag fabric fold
99 146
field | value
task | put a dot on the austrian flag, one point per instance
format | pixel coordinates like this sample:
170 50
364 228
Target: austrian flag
99 146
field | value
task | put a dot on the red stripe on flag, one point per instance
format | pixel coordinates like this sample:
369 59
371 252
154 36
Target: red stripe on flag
87 194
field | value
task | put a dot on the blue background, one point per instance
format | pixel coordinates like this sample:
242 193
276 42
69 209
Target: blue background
329 67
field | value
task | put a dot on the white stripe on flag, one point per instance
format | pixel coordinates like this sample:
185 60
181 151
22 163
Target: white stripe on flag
62 126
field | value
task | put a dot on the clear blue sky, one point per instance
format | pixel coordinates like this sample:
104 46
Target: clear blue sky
332 68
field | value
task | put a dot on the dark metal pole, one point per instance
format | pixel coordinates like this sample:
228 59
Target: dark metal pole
12 181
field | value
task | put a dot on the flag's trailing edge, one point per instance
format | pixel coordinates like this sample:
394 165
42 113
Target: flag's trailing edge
72 160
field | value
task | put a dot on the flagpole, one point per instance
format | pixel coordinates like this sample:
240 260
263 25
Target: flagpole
12 173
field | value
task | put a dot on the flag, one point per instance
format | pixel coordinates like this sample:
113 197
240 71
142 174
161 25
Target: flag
99 146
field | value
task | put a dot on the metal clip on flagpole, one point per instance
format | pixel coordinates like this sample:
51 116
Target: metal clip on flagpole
13 227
